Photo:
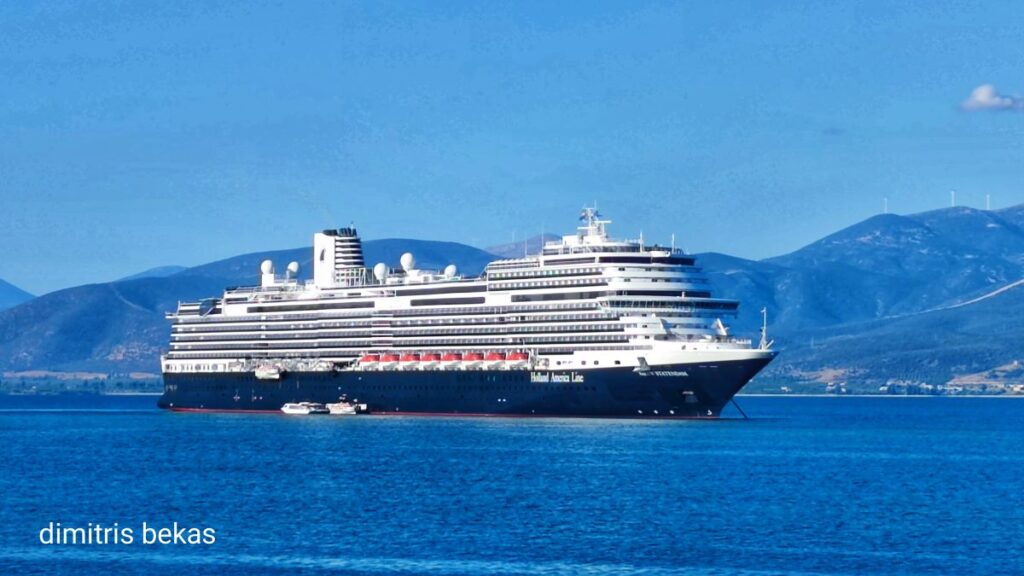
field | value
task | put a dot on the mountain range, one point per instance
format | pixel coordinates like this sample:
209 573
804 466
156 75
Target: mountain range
530 245
11 295
924 299
929 298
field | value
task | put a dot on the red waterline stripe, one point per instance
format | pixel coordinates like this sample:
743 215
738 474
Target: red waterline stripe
452 414
223 410
490 415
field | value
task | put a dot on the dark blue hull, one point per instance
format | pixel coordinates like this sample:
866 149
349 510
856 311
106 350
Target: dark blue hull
680 391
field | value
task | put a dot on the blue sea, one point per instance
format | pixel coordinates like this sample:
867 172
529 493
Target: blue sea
805 486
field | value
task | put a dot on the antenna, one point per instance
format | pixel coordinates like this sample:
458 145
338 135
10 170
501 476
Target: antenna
765 343
952 198
673 242
885 205
988 201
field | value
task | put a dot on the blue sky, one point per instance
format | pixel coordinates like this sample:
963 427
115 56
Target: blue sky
137 134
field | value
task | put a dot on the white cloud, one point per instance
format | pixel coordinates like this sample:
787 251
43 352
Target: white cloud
985 97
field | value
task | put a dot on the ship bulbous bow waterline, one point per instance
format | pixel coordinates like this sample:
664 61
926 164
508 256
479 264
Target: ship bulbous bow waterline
591 326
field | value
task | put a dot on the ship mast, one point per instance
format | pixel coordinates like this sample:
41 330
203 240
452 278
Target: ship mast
765 342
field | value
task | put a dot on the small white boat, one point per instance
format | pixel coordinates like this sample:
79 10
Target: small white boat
304 408
268 372
342 409
346 408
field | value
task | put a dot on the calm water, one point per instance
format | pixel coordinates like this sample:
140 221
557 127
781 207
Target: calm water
807 486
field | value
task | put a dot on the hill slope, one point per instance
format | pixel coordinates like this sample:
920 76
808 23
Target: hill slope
11 295
158 272
936 347
531 245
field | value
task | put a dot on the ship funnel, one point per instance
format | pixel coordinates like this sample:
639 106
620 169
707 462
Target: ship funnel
338 258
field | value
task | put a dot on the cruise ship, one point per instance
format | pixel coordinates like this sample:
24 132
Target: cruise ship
590 326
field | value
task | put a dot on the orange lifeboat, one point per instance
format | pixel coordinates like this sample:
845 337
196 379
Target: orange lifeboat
369 360
409 360
430 360
451 359
494 359
388 360
518 359
472 359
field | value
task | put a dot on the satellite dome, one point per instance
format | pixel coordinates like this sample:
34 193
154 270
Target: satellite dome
380 271
267 267
450 271
293 268
407 261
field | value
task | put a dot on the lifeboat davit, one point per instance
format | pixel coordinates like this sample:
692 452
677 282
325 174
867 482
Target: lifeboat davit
518 359
388 361
494 359
430 360
409 360
472 359
451 360
369 361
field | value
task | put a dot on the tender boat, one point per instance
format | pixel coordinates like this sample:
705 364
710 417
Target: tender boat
451 360
429 360
346 408
388 361
268 372
494 359
409 360
304 408
473 359
518 360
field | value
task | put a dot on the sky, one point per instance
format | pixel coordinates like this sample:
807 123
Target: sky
143 134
